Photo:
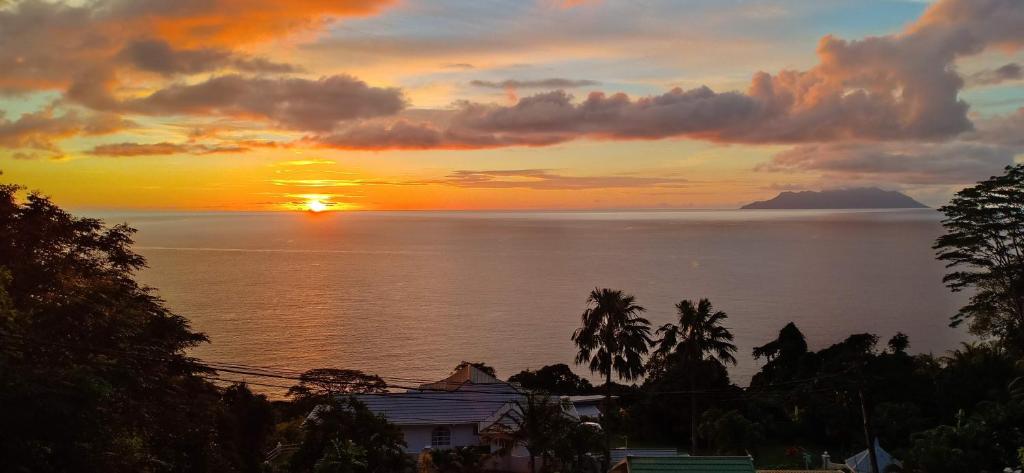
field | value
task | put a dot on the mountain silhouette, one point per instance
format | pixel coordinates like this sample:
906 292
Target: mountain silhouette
857 198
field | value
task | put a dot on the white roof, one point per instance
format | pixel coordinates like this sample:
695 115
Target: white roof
861 462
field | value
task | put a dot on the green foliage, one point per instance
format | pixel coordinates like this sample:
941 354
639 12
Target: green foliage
662 410
342 456
478 365
544 427
343 435
93 371
987 440
700 335
785 356
319 384
613 337
557 378
459 459
730 433
244 424
984 243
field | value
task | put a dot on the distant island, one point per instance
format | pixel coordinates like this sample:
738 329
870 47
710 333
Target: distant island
857 198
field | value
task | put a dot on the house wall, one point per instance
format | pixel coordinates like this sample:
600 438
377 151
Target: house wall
417 437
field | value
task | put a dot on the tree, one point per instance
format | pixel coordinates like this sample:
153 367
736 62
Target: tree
318 384
469 459
557 378
729 432
84 347
613 338
699 336
343 435
244 423
786 357
899 343
541 424
984 242
342 456
478 365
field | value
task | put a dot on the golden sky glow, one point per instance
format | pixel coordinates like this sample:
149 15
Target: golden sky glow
369 105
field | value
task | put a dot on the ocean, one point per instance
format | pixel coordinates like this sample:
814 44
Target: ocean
408 295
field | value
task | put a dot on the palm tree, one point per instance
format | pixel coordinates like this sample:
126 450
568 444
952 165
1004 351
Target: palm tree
613 338
699 337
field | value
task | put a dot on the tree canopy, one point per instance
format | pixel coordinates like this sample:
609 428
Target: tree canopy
86 348
984 247
557 379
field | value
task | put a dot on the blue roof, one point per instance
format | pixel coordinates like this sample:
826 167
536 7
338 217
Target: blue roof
472 403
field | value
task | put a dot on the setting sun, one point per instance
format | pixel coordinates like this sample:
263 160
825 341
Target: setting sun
316 205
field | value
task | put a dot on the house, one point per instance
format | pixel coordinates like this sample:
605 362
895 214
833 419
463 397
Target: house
468 408
589 406
684 464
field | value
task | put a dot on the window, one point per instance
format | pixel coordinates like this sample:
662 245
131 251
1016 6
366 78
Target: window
441 437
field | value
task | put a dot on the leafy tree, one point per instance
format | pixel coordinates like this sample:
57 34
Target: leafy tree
899 343
342 456
469 459
974 373
575 450
986 440
785 356
613 338
541 425
984 242
729 432
343 435
244 424
478 365
699 336
84 347
318 384
557 378
662 412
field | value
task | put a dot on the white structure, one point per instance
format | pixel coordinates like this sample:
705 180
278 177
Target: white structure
861 462
468 408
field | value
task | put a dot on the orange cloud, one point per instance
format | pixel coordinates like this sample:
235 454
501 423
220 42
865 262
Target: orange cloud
232 22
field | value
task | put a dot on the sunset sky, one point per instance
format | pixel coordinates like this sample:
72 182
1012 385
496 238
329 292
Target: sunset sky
265 105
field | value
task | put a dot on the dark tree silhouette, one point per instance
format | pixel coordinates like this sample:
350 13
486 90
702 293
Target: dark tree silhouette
478 365
613 338
556 379
317 384
699 336
93 370
343 435
984 242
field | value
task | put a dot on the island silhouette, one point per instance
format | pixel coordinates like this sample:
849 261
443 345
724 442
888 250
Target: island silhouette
854 198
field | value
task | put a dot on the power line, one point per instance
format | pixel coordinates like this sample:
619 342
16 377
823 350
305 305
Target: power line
275 373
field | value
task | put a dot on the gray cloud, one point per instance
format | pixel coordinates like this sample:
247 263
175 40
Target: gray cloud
39 130
1004 73
163 148
971 157
913 163
303 104
158 56
552 83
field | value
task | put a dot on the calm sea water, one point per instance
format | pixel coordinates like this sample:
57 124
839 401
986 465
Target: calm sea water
409 295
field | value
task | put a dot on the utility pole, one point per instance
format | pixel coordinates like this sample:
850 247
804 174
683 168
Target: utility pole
867 432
